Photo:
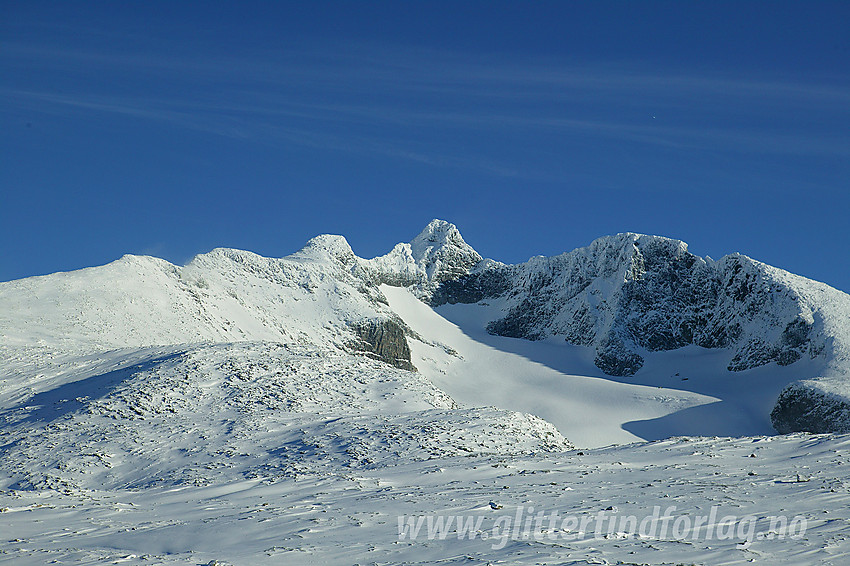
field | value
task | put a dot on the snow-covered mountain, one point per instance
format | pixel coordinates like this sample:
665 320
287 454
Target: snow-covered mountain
321 295
426 379
623 298
630 294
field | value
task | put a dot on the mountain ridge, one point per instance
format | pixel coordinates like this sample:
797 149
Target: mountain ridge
624 297
631 293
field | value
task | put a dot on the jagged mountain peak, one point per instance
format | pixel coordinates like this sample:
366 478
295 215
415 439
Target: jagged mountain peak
438 254
628 294
442 252
438 234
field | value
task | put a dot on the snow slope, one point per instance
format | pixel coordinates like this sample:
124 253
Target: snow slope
733 403
223 296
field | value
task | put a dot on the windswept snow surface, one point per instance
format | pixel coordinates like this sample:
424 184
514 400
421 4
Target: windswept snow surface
324 514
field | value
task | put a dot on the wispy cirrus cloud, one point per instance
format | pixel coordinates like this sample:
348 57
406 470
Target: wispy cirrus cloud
437 108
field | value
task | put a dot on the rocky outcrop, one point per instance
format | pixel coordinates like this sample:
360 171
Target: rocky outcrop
382 340
813 405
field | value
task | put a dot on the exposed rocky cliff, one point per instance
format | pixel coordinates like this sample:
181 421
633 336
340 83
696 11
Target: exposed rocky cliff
383 340
630 294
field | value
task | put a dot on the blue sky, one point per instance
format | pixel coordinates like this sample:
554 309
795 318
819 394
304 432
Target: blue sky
171 128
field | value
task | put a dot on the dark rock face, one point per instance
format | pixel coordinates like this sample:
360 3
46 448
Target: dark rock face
472 287
805 406
383 340
628 294
521 322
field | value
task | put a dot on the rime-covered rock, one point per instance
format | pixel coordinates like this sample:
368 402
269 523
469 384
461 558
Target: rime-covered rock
630 294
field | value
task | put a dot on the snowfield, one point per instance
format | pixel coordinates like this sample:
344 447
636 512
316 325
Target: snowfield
245 410
331 514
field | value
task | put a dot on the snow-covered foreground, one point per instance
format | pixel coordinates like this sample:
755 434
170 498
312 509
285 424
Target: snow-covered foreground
200 414
267 453
335 515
